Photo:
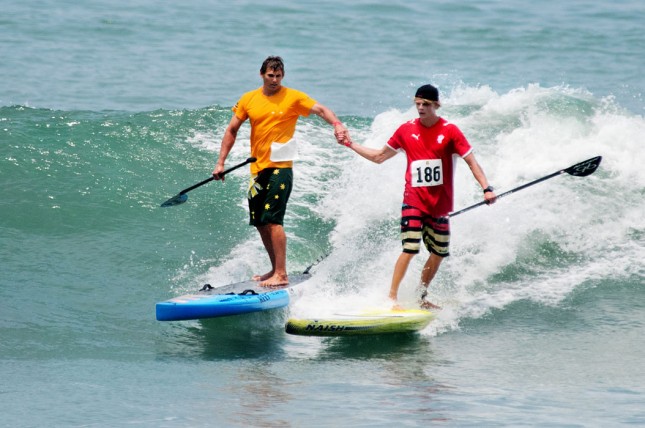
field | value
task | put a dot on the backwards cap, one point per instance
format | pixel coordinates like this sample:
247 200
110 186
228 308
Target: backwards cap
428 92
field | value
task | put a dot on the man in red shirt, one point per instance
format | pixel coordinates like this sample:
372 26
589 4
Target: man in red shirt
431 145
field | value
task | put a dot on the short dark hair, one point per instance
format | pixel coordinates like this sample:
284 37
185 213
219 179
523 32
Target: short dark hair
274 63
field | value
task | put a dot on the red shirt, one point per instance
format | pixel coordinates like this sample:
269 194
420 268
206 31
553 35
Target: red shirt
431 157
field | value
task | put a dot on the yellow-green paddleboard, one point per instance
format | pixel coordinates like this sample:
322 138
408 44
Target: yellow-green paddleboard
362 323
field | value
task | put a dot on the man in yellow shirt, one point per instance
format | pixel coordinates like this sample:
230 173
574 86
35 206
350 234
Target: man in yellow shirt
273 111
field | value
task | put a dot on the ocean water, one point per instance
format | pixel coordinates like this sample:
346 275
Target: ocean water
109 109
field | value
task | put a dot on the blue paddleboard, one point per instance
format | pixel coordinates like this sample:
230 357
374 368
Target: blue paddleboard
234 299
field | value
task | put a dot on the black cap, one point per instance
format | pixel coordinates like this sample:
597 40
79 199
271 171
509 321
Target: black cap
428 92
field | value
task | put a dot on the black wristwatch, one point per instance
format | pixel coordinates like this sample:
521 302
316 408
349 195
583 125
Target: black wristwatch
488 189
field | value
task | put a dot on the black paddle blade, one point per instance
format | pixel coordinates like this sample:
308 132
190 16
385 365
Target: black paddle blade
180 198
585 168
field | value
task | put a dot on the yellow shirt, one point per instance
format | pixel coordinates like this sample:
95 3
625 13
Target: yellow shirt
273 120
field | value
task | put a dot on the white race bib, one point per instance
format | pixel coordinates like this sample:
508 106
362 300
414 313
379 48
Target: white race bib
426 172
281 152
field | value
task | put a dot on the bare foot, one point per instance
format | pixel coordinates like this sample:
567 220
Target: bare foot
262 277
275 281
428 305
395 304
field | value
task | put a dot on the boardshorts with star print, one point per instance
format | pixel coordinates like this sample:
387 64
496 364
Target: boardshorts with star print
415 226
268 196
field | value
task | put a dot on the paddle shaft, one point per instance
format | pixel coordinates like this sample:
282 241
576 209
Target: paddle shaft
506 193
222 174
581 169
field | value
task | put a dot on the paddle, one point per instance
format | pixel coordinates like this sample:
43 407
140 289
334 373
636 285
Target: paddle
182 197
581 169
